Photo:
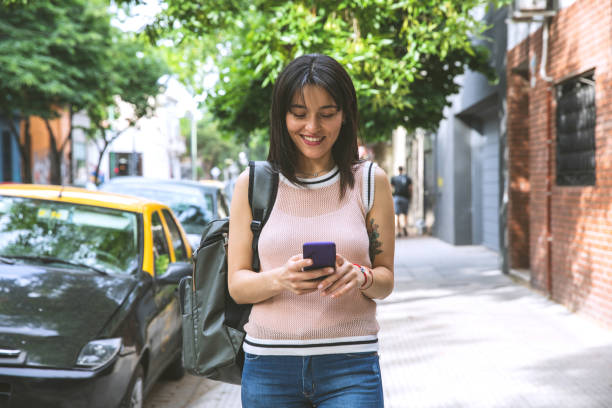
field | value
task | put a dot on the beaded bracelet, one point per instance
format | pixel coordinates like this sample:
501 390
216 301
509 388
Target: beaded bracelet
369 271
363 270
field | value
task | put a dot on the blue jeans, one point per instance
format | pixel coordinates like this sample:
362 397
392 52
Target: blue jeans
326 381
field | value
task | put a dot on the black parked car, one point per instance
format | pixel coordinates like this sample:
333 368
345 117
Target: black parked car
194 203
89 312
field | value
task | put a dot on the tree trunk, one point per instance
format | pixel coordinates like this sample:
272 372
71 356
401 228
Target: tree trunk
55 157
107 143
70 153
24 148
27 163
100 156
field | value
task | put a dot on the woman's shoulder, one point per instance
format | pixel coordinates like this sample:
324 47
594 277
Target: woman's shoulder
243 178
241 186
374 175
362 165
369 167
370 177
380 173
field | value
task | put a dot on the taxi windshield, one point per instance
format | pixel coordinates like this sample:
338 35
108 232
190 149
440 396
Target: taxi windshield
102 239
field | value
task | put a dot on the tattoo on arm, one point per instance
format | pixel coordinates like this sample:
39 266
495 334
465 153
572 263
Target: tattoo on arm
375 243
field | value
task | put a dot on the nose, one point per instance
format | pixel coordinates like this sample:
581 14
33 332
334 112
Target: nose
312 123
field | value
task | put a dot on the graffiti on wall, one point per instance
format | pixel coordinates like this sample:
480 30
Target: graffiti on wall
42 168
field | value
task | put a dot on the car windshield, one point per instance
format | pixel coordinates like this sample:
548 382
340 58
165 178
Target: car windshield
71 234
192 209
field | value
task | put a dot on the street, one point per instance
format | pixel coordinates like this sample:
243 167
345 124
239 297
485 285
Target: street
126 127
457 333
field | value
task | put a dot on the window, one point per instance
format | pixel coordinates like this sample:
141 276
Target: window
177 242
209 200
125 164
101 238
160 245
576 132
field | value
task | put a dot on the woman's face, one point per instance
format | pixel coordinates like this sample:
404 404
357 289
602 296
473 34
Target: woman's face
314 122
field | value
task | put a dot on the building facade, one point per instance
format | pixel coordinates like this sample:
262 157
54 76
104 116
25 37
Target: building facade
469 155
559 102
41 149
152 148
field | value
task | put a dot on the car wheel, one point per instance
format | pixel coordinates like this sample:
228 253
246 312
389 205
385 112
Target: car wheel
175 371
134 397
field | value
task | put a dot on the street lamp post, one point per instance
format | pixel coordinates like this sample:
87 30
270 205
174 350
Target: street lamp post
193 146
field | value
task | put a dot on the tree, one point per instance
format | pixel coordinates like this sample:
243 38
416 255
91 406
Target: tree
49 58
402 55
132 71
64 55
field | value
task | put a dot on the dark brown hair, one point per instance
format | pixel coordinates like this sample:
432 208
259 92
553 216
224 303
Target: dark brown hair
327 73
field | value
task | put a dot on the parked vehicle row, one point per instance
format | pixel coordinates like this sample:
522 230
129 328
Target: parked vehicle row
89 314
194 203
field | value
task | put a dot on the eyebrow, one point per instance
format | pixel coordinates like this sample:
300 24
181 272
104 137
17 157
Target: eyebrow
295 105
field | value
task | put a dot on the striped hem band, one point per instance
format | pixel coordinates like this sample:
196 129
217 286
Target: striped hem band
359 344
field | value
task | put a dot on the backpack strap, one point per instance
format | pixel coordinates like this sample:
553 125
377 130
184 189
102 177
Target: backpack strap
263 185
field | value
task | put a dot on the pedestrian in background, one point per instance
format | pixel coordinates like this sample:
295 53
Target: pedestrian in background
312 335
402 195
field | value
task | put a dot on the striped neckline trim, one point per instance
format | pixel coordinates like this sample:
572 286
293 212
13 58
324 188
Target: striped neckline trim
316 182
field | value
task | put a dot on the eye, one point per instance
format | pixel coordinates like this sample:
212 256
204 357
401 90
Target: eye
328 114
299 115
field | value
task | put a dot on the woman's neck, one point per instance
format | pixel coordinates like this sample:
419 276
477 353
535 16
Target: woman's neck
310 170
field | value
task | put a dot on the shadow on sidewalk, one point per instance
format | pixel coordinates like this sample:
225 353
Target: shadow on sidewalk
583 377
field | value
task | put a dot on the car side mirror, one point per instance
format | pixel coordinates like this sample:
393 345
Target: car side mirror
175 272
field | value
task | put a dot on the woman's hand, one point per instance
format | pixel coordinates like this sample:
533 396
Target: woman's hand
346 278
292 276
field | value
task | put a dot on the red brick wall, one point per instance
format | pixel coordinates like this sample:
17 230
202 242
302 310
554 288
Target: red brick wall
518 163
580 273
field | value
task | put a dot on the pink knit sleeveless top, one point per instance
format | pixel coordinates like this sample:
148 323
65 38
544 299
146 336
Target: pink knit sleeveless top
290 324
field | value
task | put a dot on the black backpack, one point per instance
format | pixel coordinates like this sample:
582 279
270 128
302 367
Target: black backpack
212 322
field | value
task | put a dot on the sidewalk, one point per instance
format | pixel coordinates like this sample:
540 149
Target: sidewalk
457 333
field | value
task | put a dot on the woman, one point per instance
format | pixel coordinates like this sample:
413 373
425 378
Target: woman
312 335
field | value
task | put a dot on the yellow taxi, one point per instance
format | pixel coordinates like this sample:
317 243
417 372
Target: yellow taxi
90 314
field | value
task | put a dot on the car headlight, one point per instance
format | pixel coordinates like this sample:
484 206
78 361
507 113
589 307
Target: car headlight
97 353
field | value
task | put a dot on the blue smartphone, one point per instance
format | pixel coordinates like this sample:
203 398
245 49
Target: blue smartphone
323 254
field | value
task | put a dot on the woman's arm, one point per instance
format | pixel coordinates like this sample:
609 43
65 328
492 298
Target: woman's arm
245 285
381 232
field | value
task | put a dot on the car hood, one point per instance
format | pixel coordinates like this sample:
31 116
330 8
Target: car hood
50 313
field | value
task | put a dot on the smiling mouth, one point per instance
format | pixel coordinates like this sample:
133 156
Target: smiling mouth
312 140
